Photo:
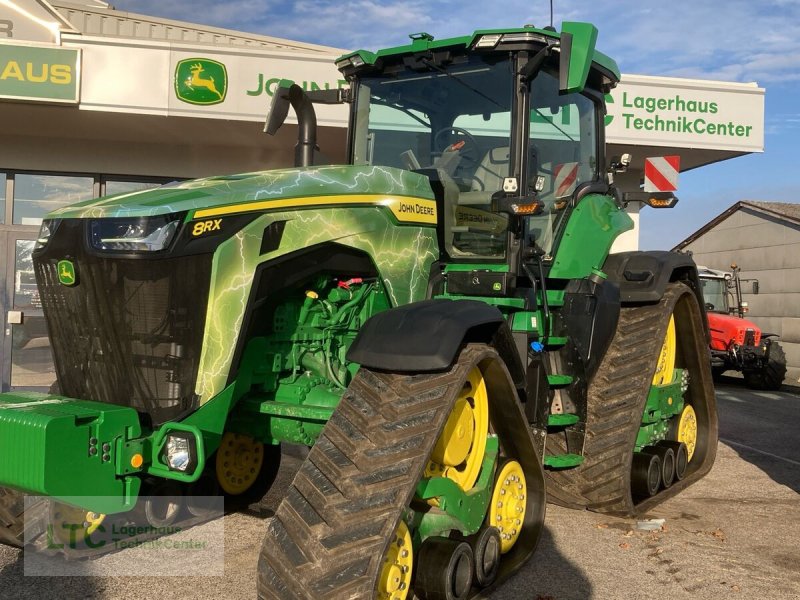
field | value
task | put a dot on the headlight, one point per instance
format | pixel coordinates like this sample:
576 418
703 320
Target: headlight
181 452
144 234
488 41
46 231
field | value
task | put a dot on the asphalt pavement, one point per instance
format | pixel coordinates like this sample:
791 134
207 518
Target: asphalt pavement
734 534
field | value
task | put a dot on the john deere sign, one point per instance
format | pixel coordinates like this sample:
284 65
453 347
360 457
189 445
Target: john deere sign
201 81
39 74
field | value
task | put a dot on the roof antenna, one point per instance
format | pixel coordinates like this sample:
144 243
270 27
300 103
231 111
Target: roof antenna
550 27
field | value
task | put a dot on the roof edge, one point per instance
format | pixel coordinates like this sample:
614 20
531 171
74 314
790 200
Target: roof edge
206 28
751 204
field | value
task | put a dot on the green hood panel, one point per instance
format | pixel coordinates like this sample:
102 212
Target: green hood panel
402 255
213 192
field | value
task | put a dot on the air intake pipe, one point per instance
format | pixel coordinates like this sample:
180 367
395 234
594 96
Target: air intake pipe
289 94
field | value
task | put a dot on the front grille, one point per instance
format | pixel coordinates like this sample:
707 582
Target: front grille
130 331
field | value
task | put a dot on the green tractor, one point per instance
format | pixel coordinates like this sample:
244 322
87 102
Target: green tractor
439 320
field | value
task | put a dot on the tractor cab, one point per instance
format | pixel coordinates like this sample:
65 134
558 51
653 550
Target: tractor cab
716 290
494 122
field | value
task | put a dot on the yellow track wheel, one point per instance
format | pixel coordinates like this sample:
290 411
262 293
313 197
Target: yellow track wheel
71 525
687 430
665 368
394 582
507 507
459 451
239 460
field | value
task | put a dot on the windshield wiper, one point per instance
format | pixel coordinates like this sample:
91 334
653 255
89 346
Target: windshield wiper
403 109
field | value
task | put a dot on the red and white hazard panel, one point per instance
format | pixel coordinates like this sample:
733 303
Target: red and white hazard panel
661 173
565 177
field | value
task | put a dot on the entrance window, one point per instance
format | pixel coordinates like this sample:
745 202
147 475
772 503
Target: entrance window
26 294
31 357
36 195
2 198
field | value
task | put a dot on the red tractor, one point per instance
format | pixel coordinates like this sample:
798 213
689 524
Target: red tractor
736 343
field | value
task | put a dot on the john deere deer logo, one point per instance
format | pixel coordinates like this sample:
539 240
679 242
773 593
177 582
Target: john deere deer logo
201 81
66 272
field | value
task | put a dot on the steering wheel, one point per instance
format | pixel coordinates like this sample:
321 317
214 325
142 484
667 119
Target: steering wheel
468 154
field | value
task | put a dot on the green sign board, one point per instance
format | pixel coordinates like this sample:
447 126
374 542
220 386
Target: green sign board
40 74
201 81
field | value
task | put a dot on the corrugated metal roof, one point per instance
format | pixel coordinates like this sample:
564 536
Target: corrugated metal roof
783 210
101 19
789 210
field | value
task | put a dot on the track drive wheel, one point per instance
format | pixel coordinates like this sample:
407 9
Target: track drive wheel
639 355
337 532
245 468
684 429
72 525
507 506
394 582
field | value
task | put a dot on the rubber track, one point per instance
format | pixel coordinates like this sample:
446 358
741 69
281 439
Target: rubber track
330 533
11 517
616 399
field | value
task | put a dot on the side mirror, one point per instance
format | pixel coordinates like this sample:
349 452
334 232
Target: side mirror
577 48
755 287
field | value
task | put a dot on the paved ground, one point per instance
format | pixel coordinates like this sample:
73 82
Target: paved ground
734 534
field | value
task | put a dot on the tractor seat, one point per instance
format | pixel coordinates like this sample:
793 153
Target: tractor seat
488 177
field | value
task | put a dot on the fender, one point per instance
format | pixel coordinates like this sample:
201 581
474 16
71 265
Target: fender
643 276
426 336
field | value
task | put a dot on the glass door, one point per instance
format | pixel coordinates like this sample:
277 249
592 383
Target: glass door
26 359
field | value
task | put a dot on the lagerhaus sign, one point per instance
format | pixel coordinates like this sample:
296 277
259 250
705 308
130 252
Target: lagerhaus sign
652 110
35 73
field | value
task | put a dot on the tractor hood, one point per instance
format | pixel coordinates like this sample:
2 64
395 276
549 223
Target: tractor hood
260 187
727 328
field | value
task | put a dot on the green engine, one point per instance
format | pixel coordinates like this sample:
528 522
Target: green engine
300 363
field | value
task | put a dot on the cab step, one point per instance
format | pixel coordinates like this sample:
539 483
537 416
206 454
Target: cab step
562 420
562 461
559 380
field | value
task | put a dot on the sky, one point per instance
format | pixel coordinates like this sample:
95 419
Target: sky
728 40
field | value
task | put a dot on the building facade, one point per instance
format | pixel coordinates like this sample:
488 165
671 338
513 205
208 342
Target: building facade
95 101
